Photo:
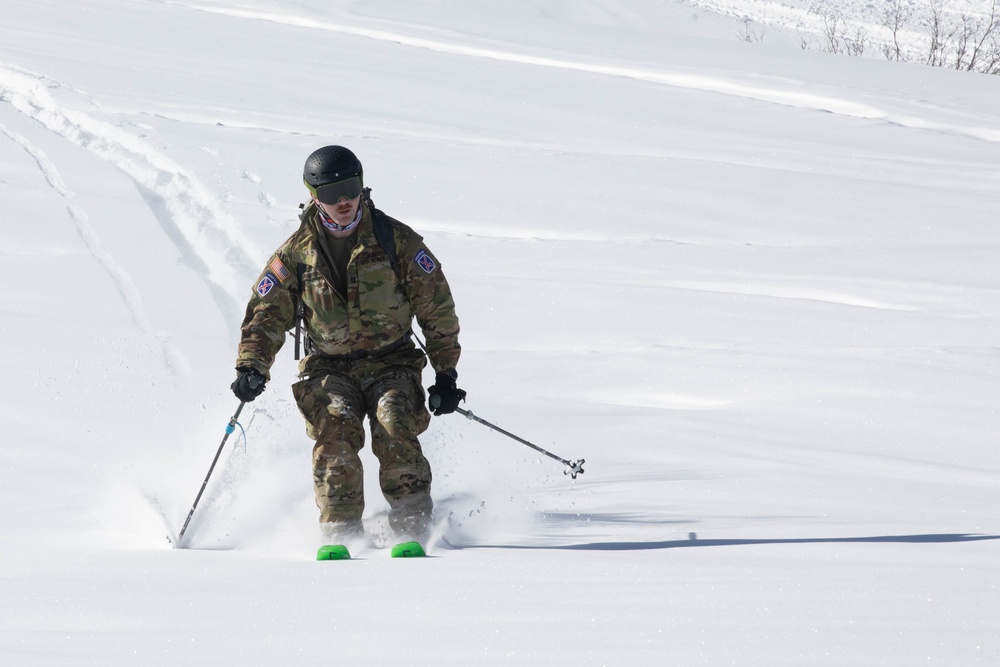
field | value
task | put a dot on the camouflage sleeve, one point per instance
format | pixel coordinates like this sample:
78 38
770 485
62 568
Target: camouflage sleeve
430 298
270 313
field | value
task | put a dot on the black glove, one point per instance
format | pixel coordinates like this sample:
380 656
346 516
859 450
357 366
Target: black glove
445 394
248 384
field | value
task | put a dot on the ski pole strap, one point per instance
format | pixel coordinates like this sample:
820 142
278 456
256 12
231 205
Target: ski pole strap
231 428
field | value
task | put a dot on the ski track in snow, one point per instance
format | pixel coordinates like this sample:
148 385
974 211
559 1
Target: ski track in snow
130 295
207 236
789 98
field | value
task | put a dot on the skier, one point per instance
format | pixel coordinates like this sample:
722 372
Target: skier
356 297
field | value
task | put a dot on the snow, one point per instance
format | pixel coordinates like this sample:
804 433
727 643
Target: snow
754 286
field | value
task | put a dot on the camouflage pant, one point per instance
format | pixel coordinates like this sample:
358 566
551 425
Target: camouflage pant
335 398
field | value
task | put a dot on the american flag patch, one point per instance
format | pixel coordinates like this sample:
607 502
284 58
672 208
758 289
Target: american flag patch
280 270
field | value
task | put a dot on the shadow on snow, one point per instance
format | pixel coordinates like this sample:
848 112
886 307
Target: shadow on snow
693 541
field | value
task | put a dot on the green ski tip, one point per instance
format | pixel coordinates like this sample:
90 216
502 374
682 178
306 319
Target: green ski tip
408 550
333 552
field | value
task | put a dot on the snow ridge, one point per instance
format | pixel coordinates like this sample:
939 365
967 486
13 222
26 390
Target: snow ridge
791 98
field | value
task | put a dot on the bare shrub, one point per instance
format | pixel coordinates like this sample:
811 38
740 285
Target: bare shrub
969 41
751 34
831 32
858 43
976 48
896 15
939 35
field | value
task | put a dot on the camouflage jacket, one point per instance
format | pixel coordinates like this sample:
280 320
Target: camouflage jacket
377 310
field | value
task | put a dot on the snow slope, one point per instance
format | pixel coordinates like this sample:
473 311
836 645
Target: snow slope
755 287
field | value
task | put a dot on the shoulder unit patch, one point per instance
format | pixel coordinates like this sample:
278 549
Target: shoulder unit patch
425 262
266 284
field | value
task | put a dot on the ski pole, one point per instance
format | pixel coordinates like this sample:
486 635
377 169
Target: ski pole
229 431
573 468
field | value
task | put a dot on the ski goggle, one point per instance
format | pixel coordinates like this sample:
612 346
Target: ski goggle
331 193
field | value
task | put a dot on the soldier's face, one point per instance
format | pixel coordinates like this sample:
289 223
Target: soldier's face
343 211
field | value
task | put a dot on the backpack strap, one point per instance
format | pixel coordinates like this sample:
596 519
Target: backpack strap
300 315
382 227
300 312
386 238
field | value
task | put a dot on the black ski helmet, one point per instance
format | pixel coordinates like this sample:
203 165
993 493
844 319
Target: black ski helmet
331 164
